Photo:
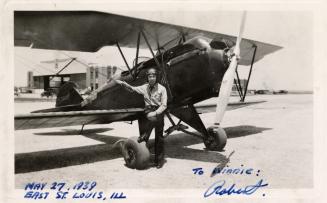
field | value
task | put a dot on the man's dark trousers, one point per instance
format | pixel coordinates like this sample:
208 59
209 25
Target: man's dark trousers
159 139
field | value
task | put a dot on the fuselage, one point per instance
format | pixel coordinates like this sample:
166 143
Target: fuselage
193 71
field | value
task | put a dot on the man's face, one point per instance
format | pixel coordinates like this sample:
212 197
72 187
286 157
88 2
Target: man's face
152 79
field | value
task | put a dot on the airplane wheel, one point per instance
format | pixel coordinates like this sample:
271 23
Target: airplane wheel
216 139
136 155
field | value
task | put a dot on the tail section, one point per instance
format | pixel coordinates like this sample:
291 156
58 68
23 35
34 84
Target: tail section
68 95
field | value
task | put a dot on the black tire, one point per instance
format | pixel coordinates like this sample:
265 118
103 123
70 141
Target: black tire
136 155
216 140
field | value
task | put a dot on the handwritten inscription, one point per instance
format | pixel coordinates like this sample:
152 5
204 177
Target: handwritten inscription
198 171
228 170
117 196
60 191
36 195
219 188
35 186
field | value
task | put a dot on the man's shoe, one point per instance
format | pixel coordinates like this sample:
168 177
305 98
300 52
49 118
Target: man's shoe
143 138
160 164
152 164
140 139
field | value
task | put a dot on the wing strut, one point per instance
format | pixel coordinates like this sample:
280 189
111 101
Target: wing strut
71 61
57 74
250 72
121 53
158 64
237 82
137 49
81 131
239 86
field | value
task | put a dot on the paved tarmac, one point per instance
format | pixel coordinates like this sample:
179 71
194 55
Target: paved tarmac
274 139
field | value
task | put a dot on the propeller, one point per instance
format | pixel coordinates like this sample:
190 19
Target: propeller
228 79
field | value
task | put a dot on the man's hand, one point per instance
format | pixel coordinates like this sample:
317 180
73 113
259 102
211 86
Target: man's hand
119 82
90 98
152 116
125 85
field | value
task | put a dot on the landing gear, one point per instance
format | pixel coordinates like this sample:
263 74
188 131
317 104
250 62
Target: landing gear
136 155
216 139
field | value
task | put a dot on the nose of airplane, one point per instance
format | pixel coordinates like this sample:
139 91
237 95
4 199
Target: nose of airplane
219 62
222 49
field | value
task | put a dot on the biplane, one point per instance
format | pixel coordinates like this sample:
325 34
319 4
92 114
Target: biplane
195 65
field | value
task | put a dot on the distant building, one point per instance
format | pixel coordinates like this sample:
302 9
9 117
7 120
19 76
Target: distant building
97 76
30 81
53 81
84 76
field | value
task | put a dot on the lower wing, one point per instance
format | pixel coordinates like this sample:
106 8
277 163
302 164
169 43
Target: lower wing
69 118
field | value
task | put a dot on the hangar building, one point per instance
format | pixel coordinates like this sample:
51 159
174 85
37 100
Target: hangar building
46 76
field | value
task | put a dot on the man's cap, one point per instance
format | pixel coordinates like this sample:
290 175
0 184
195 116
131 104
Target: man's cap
151 71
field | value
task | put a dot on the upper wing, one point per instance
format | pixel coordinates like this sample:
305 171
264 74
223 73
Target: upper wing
207 108
58 119
89 31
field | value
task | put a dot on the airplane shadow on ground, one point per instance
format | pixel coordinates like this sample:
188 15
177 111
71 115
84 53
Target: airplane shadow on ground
176 147
243 130
50 159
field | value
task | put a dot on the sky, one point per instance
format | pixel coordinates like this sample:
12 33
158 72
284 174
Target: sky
290 68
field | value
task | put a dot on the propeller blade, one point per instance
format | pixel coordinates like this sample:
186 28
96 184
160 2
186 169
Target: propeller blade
228 79
240 34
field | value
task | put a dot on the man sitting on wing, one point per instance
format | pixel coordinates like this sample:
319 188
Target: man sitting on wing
155 98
